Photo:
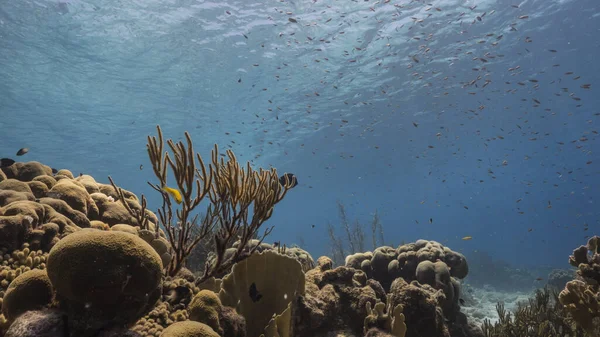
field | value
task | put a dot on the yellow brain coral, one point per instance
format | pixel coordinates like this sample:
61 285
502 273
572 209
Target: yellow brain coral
189 329
115 275
29 291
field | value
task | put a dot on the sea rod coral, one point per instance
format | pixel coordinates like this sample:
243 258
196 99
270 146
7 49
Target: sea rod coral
234 192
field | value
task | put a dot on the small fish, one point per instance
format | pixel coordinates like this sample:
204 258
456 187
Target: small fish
255 295
292 20
173 193
54 171
539 279
22 151
430 220
467 238
141 167
5 162
462 302
290 177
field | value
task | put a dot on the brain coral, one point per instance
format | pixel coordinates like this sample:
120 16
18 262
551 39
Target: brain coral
189 329
29 291
104 277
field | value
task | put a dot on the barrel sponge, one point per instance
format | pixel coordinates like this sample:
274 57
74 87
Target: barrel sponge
205 307
31 290
109 271
189 329
277 278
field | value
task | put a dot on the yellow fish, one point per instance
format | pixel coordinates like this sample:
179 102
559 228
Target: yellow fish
466 238
173 193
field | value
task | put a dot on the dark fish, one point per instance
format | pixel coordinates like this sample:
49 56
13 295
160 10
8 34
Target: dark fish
255 295
290 177
22 151
54 171
462 302
5 162
292 20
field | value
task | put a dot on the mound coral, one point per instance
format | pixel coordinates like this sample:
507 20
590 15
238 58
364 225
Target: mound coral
104 278
189 329
335 301
31 290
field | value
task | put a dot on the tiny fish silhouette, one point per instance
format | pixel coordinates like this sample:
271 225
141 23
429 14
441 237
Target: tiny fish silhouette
462 302
5 162
22 151
255 295
54 171
290 177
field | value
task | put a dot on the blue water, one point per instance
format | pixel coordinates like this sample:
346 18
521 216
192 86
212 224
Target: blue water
84 82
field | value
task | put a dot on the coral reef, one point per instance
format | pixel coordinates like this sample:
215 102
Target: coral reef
581 297
104 278
83 258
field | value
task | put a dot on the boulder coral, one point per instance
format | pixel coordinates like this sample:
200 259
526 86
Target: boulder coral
31 290
104 278
428 262
421 308
335 301
189 329
206 307
385 264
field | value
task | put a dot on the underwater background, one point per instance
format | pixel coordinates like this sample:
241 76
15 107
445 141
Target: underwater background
472 123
